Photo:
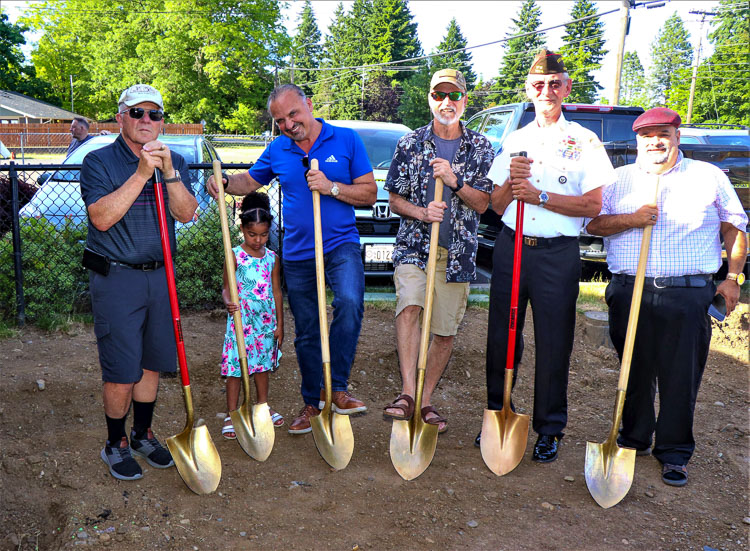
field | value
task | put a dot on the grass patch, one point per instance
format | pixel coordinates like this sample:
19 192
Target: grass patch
8 331
239 154
591 296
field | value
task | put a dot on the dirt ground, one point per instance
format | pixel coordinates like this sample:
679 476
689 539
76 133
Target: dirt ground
55 492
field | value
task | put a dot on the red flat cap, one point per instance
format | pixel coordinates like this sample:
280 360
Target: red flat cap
658 116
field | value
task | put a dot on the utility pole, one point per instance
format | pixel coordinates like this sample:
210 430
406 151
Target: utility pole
362 104
624 21
697 60
71 94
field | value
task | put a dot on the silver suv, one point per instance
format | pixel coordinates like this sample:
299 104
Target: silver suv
377 225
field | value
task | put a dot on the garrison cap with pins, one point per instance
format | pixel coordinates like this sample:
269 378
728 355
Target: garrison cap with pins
547 63
141 93
658 116
451 76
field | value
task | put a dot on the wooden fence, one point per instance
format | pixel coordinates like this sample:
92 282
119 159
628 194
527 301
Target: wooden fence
47 135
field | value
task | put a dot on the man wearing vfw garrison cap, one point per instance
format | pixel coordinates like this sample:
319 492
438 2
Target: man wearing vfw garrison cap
461 158
695 206
560 182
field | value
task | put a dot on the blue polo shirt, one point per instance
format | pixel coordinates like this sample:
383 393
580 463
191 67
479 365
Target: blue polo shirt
135 237
342 158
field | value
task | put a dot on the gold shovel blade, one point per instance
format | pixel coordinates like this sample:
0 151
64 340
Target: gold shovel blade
609 472
504 437
196 458
333 437
413 445
254 430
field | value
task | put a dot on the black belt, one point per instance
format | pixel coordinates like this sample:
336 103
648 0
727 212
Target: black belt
145 267
659 282
531 241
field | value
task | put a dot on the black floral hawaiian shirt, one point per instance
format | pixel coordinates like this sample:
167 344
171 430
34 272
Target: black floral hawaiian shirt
409 176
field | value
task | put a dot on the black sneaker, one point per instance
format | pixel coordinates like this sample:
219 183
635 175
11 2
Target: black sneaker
151 450
121 464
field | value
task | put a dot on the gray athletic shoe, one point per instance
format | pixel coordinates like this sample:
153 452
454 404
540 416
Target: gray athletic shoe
121 464
151 450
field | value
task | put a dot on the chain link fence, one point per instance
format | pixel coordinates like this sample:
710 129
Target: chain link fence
43 228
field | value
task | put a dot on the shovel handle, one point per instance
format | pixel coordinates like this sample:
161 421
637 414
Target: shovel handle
229 263
161 212
320 273
515 283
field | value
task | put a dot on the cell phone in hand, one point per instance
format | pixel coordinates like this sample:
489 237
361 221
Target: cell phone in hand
718 308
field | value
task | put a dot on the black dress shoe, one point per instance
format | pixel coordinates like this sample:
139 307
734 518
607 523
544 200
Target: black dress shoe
545 449
478 440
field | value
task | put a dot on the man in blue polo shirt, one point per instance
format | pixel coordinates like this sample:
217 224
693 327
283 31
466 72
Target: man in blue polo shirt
344 180
129 296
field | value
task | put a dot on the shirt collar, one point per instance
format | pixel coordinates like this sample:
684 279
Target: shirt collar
561 124
125 150
429 133
325 132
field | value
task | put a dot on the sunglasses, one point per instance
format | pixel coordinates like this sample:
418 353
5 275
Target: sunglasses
440 96
306 165
137 113
554 85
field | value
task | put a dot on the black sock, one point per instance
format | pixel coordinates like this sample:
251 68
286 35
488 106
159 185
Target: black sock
115 430
143 413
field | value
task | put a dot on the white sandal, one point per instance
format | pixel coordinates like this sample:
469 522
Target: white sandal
227 429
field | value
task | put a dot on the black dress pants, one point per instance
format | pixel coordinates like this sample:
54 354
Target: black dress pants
549 281
671 348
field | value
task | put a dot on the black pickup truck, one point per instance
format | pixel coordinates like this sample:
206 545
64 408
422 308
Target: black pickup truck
613 125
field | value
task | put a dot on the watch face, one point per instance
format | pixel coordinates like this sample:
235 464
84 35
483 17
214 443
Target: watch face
740 279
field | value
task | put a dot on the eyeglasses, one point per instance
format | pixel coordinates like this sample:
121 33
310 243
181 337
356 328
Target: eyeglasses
137 113
554 85
440 96
306 165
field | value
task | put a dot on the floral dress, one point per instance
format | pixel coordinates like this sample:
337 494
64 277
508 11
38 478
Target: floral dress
258 311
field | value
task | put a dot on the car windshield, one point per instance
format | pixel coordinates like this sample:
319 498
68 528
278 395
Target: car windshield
728 140
380 144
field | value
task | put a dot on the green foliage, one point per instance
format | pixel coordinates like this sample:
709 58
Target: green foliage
671 54
306 49
633 81
414 110
722 92
54 281
460 61
519 53
205 56
15 74
583 50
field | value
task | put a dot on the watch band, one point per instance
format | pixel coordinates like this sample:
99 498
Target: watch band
459 185
177 178
224 176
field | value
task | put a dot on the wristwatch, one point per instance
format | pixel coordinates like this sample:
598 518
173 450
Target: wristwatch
459 185
176 178
739 278
335 190
543 198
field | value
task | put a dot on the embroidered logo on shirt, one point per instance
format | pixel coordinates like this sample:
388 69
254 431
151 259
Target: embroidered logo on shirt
331 159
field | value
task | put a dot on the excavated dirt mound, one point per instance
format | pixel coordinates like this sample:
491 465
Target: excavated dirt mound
55 492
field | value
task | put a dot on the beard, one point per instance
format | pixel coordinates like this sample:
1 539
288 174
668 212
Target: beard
445 116
658 157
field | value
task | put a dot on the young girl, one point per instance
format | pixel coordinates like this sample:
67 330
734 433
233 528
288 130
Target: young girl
261 306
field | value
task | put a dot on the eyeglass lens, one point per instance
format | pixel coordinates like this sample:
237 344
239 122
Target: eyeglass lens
153 114
553 85
440 96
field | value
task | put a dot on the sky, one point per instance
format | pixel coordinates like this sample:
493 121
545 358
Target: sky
487 21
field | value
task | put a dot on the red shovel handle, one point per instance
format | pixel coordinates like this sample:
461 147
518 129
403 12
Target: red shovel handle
516 283
169 267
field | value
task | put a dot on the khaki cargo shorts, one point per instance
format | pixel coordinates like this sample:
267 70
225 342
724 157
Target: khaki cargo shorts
450 299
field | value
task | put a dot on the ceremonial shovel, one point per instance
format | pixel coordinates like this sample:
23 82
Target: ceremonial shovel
609 468
252 424
193 450
504 432
332 431
413 441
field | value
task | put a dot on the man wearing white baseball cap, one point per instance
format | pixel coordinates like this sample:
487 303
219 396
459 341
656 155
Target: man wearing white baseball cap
129 296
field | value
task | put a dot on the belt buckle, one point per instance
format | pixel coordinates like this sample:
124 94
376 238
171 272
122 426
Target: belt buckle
530 241
656 282
148 266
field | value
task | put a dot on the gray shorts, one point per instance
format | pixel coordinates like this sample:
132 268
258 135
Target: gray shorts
132 323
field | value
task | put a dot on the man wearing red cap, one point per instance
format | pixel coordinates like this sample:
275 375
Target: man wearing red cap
560 182
695 205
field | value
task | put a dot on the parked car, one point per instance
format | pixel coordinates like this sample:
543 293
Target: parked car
59 196
377 225
714 136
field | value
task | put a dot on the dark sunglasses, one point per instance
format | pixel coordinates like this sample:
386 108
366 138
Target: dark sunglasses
553 85
440 96
137 113
306 164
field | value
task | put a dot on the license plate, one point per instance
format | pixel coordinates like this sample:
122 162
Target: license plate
378 253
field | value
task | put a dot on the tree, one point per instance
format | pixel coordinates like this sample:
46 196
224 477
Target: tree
15 74
414 110
306 49
583 51
461 60
520 50
209 58
722 92
671 54
633 81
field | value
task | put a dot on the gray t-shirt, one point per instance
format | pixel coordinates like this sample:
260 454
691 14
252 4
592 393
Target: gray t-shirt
445 149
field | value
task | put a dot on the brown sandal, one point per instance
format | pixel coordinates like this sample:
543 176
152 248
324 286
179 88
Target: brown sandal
406 410
434 420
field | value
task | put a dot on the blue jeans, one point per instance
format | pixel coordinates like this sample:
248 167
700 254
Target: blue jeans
345 276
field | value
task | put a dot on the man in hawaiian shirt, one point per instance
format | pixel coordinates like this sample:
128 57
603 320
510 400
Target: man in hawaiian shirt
422 156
